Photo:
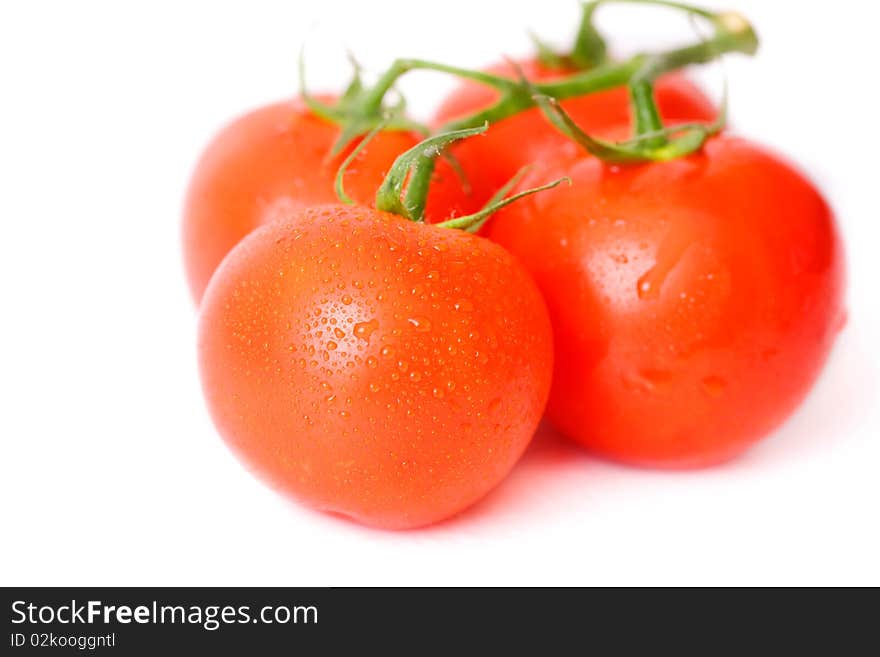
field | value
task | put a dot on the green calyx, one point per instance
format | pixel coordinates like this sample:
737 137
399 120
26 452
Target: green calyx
472 223
359 110
589 49
653 146
404 191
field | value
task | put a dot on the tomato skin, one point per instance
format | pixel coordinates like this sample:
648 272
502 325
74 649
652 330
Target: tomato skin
389 371
694 302
491 160
274 160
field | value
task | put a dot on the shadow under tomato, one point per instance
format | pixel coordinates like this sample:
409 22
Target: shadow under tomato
556 475
548 465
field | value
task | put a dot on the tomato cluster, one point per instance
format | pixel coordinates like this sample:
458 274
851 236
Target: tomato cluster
667 310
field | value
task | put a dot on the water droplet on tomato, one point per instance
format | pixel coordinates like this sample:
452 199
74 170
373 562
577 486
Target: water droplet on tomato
364 330
419 324
646 287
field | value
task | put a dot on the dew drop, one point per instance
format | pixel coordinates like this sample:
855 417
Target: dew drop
419 324
646 288
363 330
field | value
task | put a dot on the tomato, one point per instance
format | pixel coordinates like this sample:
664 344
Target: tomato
693 301
491 160
386 370
275 160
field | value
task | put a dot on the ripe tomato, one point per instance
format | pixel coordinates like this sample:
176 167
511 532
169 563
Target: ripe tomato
491 160
382 369
275 160
693 301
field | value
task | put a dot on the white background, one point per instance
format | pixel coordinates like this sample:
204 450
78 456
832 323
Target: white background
111 472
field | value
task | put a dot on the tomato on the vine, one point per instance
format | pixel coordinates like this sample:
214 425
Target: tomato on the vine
528 137
387 370
274 160
693 301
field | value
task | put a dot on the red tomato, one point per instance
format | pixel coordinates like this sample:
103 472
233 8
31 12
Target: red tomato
491 160
275 160
693 301
382 369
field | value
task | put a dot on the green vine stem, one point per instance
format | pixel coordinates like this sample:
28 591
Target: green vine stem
653 146
362 109
732 33
394 194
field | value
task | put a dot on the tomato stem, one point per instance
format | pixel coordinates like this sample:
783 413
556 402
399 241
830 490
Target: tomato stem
362 109
405 188
655 145
732 33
